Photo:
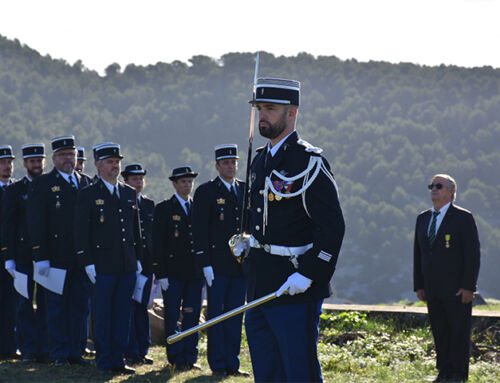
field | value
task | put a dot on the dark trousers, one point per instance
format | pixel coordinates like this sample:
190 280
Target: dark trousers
89 322
32 323
113 303
8 303
224 339
451 328
283 342
185 294
140 330
66 314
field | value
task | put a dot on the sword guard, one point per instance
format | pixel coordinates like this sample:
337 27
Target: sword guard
240 246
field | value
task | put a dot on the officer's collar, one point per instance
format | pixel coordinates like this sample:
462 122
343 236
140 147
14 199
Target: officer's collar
228 185
276 147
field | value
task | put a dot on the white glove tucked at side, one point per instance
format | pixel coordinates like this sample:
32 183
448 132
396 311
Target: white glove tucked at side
208 272
163 282
10 266
90 270
295 284
42 268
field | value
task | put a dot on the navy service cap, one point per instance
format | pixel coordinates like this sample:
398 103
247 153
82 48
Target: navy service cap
6 152
66 142
133 169
277 91
181 172
106 150
33 150
226 151
81 153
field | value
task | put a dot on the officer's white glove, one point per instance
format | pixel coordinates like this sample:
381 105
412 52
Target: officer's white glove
295 284
10 266
90 270
42 268
209 275
163 282
139 267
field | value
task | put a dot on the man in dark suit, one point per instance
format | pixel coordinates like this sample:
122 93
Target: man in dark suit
32 323
216 218
140 332
51 208
176 270
8 295
108 244
446 267
296 227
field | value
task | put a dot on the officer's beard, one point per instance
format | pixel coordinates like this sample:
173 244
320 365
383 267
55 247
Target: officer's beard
272 131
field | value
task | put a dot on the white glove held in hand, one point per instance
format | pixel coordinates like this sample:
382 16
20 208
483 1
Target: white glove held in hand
139 267
209 275
42 268
90 270
163 283
10 266
295 284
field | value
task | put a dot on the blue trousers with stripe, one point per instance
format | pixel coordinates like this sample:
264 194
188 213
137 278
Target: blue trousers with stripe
33 323
113 306
8 302
283 342
224 338
186 294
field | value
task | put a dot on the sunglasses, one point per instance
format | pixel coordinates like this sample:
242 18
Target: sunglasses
437 186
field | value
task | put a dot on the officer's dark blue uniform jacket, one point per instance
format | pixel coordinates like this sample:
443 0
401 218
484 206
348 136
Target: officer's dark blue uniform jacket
16 241
290 225
173 242
216 218
107 232
51 211
146 210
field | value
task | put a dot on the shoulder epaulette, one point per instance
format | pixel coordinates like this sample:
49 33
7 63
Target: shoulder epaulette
309 148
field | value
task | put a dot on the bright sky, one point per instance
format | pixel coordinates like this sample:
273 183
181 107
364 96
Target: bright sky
101 32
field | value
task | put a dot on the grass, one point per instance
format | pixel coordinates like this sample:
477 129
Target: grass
351 349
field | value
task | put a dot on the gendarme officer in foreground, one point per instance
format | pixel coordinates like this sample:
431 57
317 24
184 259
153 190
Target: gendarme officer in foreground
296 228
31 322
108 243
51 210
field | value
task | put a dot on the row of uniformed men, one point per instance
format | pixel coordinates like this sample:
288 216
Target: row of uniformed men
37 225
291 246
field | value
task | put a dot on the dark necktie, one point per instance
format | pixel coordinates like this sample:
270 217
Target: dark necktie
73 185
432 230
233 192
188 208
267 162
115 194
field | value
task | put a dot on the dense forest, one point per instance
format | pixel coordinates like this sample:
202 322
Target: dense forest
385 128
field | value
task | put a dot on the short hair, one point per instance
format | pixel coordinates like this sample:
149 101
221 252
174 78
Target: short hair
451 184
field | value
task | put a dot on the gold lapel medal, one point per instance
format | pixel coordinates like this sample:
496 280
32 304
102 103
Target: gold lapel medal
270 197
447 238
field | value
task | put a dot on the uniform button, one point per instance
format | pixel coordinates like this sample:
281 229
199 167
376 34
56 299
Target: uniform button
123 229
97 246
119 210
261 192
192 251
213 246
259 210
171 256
123 239
237 218
142 221
192 242
144 246
257 227
121 219
55 235
144 238
236 208
142 229
189 226
237 230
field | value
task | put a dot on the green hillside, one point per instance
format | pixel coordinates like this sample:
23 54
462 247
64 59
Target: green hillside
385 128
